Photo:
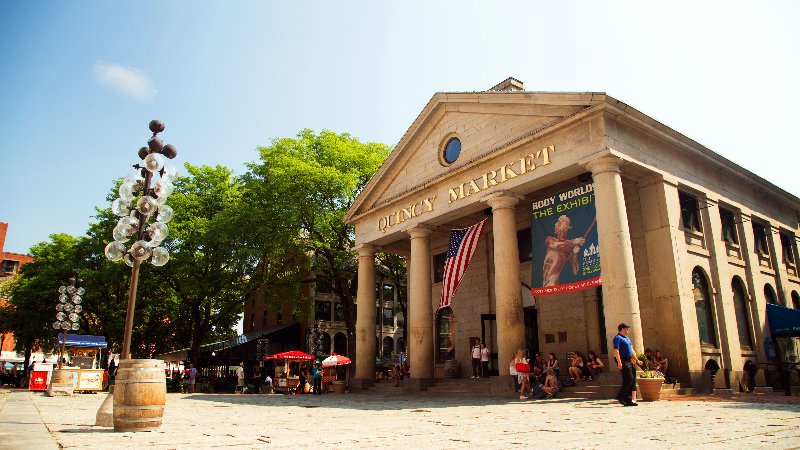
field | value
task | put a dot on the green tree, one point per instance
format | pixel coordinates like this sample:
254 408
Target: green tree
221 254
310 181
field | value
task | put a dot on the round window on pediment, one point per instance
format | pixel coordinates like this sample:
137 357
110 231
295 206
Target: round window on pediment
452 150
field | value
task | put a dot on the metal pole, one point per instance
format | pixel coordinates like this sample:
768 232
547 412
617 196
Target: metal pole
126 343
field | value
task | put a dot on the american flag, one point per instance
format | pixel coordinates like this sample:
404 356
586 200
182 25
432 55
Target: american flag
463 243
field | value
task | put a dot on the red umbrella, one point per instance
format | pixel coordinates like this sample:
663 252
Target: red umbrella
335 360
294 354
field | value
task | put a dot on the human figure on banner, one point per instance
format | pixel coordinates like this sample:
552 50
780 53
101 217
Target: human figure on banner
559 251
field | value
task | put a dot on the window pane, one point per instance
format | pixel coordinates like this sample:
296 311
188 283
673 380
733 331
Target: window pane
322 311
524 244
388 293
438 267
769 295
338 312
690 212
445 347
401 320
388 319
729 233
760 234
742 316
702 305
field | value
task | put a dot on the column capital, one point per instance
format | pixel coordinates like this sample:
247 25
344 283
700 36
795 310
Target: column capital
502 200
365 250
608 163
420 231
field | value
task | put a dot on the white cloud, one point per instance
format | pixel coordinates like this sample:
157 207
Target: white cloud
127 81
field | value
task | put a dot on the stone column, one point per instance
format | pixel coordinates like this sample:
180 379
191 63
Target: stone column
620 294
508 299
420 320
365 318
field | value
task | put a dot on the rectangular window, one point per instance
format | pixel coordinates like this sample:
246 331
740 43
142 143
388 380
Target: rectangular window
690 212
438 267
322 311
338 312
323 285
388 317
10 266
388 293
401 320
788 249
729 234
524 244
760 234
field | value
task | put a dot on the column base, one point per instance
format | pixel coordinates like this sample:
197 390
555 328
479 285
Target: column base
412 385
763 390
360 384
723 392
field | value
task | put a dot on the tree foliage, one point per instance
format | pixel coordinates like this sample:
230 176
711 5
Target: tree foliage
311 181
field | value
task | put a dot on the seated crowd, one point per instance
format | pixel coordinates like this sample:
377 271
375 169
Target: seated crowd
539 378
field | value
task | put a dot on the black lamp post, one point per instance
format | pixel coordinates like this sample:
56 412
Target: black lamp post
68 309
149 199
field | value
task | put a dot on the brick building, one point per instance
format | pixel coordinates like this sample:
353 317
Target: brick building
10 263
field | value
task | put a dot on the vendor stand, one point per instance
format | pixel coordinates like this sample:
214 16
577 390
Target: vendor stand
330 364
784 324
84 371
287 375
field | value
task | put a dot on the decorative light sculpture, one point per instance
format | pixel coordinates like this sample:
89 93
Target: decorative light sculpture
68 309
141 198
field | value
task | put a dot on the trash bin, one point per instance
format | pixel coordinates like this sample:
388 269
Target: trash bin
338 386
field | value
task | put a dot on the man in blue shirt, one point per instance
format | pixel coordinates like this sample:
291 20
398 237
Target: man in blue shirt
626 363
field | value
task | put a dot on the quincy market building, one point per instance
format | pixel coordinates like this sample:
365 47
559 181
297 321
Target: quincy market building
693 246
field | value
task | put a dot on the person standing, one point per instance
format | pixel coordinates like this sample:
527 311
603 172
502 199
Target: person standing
626 363
112 370
240 377
485 353
476 358
192 377
317 376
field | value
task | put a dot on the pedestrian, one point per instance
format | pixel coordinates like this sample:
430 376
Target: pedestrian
240 378
626 363
485 353
112 370
317 376
476 358
192 377
256 380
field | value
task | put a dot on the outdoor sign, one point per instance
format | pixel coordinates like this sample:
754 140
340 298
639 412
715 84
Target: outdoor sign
566 252
90 380
38 380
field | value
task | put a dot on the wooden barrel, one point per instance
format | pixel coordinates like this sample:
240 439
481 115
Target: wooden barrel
139 395
60 377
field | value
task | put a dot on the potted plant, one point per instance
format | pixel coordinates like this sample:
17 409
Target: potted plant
649 381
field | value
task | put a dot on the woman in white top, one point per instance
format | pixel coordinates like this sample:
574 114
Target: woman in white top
484 361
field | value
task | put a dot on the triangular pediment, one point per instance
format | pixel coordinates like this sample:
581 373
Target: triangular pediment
484 122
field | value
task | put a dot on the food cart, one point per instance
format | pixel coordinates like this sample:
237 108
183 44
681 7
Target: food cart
287 375
84 371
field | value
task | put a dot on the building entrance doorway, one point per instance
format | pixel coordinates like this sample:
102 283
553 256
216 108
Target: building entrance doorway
531 332
489 338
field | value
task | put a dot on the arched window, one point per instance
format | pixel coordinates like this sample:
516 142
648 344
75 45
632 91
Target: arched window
742 315
702 306
795 300
445 338
388 346
340 344
769 295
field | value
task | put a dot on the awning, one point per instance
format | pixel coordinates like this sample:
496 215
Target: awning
183 354
83 340
783 321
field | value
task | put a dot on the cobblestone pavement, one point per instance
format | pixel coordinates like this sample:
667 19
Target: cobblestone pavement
364 420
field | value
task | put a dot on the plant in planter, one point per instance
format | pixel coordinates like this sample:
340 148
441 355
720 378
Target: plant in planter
649 381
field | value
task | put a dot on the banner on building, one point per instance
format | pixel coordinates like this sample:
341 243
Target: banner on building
565 249
463 243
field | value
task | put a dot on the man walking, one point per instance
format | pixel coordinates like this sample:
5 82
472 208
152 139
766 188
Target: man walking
623 352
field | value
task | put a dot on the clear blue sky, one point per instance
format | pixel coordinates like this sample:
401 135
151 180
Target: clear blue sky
81 79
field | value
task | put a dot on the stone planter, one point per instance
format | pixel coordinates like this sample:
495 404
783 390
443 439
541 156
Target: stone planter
650 388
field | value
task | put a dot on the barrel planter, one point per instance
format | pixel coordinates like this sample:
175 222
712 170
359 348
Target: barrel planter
140 391
60 383
650 388
338 386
